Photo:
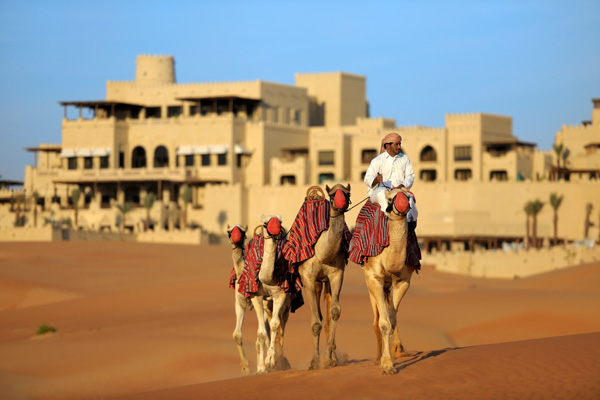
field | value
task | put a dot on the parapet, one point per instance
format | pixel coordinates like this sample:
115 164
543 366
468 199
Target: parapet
155 69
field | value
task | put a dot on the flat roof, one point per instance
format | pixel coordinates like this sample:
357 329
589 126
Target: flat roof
196 98
93 103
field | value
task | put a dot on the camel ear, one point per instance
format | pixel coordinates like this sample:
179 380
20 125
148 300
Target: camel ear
348 187
228 228
327 189
246 228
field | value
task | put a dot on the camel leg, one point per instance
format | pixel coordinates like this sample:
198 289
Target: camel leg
399 289
315 318
278 302
335 283
376 327
240 312
282 361
261 335
376 290
327 291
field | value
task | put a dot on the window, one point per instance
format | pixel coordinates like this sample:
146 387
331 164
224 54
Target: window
326 157
88 162
367 155
239 160
362 175
428 175
189 160
121 159
205 160
498 176
297 116
173 111
275 114
153 112
222 159
138 157
161 157
325 177
462 153
104 162
428 154
72 162
462 174
288 180
193 110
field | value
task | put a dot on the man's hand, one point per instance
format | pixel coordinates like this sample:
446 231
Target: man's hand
378 179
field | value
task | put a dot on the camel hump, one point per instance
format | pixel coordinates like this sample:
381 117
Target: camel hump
315 193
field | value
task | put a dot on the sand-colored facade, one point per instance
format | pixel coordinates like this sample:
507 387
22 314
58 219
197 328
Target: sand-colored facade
251 148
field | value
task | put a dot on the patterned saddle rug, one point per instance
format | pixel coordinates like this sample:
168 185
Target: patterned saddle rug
371 236
311 221
286 274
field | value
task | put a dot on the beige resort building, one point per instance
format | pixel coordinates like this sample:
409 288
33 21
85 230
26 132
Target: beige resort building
251 148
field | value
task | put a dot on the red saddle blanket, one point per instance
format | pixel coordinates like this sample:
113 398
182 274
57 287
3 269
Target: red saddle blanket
311 221
371 236
286 274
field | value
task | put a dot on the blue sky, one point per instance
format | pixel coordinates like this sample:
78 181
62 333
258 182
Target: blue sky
536 61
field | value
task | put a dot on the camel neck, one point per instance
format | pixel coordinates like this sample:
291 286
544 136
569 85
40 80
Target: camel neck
237 255
267 267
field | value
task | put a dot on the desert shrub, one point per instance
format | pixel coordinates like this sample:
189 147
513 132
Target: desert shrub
43 329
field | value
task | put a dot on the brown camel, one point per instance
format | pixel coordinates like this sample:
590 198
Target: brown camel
237 235
325 271
388 278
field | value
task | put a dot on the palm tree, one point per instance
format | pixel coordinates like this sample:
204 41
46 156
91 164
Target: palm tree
528 213
555 201
35 196
124 209
75 194
536 207
148 202
186 196
558 149
588 213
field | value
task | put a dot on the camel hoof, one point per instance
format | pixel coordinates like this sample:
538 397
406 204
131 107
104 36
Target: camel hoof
389 371
387 368
270 361
331 360
246 370
398 352
314 365
262 371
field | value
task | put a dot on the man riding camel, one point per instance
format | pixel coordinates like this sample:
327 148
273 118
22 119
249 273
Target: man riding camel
391 169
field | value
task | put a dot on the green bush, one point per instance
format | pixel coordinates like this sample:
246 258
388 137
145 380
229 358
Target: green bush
43 329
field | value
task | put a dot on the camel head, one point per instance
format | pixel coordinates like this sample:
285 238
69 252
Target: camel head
237 234
339 196
398 203
272 226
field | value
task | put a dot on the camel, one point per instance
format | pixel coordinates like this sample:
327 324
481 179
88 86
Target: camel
279 300
325 271
237 236
388 278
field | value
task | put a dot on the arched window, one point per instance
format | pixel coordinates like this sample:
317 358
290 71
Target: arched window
288 180
161 157
138 157
428 154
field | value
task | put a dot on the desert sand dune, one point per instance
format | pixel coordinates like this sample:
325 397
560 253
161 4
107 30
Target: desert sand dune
156 321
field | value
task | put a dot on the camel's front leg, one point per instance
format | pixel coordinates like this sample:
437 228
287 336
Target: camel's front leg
261 335
278 302
399 289
240 312
335 282
376 291
282 362
315 317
